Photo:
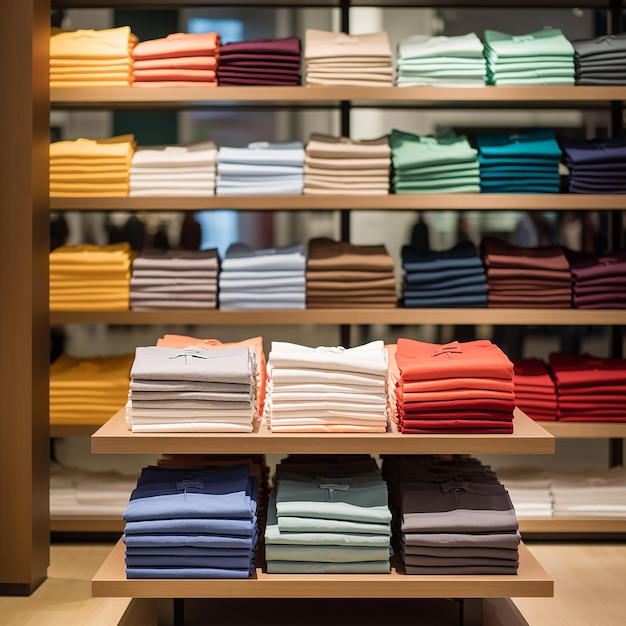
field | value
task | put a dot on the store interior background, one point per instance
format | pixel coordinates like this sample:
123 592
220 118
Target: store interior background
229 126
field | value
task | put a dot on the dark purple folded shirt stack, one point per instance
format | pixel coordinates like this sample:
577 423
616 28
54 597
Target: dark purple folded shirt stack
596 166
598 282
260 62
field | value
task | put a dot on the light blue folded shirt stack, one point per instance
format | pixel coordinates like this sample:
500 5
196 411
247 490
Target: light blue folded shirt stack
545 57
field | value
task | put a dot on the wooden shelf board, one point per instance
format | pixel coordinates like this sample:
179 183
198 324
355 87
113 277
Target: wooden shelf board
397 316
531 581
390 202
586 430
572 525
86 525
114 437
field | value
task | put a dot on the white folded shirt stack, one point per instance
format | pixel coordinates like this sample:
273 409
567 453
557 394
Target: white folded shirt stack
327 389
529 490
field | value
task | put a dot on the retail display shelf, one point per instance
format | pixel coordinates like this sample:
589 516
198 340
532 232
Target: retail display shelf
115 438
585 430
531 581
397 316
573 525
86 524
390 202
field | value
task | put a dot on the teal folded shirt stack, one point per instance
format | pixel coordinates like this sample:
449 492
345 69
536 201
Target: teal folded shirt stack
545 57
425 164
444 61
525 162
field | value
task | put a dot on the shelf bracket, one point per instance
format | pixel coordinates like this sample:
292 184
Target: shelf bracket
470 611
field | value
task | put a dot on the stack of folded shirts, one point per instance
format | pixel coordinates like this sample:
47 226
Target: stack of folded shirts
598 282
542 58
255 344
444 61
91 58
328 515
340 274
327 389
451 516
269 278
175 279
90 278
529 489
261 168
596 166
526 162
260 62
343 166
174 171
445 278
424 164
192 390
342 59
535 391
87 167
589 389
178 60
601 61
192 523
521 277
458 387
592 493
88 390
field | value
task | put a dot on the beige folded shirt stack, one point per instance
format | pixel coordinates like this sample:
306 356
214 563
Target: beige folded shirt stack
341 59
91 168
344 275
90 278
91 58
343 166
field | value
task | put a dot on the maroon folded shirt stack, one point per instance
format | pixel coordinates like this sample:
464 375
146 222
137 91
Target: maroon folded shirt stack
535 391
590 389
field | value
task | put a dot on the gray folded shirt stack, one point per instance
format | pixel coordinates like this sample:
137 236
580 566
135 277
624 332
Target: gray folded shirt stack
601 61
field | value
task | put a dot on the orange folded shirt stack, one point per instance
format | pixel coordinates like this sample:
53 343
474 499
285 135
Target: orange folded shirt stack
178 60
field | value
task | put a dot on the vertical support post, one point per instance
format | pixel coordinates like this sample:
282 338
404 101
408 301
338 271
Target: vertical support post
470 612
170 612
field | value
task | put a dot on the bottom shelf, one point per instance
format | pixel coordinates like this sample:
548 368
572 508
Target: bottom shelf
531 581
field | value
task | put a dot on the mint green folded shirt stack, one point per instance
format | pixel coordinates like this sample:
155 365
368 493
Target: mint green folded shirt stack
425 164
542 58
444 61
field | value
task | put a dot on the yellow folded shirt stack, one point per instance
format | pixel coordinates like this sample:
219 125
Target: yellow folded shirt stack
88 391
91 58
90 278
91 167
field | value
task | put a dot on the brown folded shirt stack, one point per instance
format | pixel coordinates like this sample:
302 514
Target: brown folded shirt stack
519 277
341 274
343 166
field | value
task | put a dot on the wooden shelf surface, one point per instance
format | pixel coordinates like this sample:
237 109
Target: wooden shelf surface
398 316
390 202
585 430
590 525
86 525
531 581
115 438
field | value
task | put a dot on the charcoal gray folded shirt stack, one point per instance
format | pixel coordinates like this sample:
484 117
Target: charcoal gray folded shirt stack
192 390
175 279
601 61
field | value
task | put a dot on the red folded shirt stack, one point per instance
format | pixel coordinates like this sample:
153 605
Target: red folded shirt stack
459 387
589 389
178 60
535 392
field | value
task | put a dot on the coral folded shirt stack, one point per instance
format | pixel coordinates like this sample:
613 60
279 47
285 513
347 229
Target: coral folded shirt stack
91 58
458 387
192 523
88 277
328 515
260 62
340 59
340 274
601 61
589 389
192 390
91 167
268 278
327 389
178 60
174 279
174 171
261 168
535 391
343 166
523 277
